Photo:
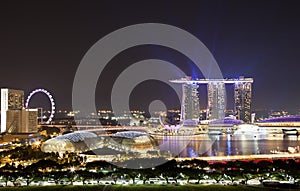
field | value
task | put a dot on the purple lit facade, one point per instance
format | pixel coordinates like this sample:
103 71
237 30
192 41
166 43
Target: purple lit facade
172 127
281 119
226 121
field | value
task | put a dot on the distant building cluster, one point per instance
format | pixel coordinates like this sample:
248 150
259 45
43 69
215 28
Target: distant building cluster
16 117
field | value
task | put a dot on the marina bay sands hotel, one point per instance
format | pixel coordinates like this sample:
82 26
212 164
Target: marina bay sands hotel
216 93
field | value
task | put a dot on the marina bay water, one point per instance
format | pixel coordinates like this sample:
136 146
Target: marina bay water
226 144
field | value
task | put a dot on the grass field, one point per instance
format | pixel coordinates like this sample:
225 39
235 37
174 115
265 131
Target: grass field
138 188
185 188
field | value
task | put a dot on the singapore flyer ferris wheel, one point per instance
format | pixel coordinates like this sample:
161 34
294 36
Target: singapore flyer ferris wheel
50 99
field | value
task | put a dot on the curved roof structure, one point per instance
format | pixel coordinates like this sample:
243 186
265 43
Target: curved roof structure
82 141
168 125
76 136
129 134
282 119
173 127
71 142
134 141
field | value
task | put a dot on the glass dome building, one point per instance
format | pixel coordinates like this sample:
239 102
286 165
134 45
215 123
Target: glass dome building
78 141
82 141
134 139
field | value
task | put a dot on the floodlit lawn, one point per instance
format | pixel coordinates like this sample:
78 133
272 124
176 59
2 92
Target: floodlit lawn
50 188
184 188
138 188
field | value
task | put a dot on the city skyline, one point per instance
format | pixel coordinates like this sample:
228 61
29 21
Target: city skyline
46 44
127 95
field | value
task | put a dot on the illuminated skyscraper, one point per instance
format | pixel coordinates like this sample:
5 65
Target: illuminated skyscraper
216 100
190 104
242 99
29 121
10 100
14 117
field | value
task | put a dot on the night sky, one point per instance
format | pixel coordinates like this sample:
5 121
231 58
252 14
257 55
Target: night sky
43 42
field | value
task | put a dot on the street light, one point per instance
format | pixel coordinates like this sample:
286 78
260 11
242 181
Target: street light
72 169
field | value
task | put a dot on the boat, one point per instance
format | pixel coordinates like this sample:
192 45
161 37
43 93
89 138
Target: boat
249 129
290 131
279 152
294 149
214 132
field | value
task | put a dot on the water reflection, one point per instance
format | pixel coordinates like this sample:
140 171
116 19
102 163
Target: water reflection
226 145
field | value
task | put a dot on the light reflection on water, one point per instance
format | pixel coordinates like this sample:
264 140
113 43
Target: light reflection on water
218 145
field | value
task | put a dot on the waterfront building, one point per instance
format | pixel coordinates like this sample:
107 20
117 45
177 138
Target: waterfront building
190 104
216 97
283 121
82 141
78 141
242 99
216 100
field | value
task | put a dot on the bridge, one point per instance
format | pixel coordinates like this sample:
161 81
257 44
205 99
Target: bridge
100 128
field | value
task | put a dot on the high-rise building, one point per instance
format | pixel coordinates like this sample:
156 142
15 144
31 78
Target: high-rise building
190 104
21 121
216 100
10 100
216 97
242 99
14 117
29 121
13 120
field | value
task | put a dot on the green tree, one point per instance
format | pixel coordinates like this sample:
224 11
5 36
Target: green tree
264 169
216 175
169 169
57 176
232 175
145 174
84 175
131 173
